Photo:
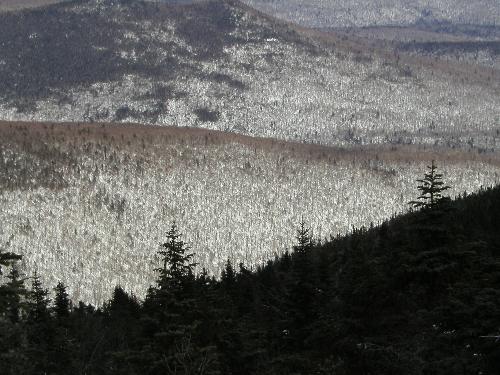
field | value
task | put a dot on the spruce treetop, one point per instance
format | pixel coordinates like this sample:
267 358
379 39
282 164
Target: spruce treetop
177 263
431 188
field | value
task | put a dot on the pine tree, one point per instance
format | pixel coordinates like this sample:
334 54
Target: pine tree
228 277
38 301
176 263
15 293
62 303
8 259
12 343
302 291
40 330
175 314
431 188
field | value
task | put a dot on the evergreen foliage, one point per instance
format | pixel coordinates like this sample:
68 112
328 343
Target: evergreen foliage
406 297
62 303
431 188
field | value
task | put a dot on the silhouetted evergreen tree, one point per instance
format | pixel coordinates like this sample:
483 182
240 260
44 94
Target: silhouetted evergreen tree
38 302
12 336
174 315
62 303
431 188
14 295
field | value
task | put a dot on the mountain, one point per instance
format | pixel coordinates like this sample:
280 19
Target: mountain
335 122
464 32
15 5
363 13
221 65
89 203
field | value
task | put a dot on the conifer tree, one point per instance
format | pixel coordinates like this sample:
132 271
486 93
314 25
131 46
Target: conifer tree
175 311
7 259
302 285
431 188
61 302
38 300
12 359
177 264
228 276
15 293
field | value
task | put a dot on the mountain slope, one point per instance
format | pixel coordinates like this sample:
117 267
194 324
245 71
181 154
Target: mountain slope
13 5
362 13
223 66
90 203
418 294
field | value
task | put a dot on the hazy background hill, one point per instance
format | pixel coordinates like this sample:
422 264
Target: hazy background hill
221 65
360 13
463 31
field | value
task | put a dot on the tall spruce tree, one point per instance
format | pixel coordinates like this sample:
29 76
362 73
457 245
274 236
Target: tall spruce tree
15 294
175 314
302 291
177 265
7 260
62 303
12 343
431 188
38 300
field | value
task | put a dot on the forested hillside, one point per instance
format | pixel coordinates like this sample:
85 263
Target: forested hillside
361 13
222 65
87 203
419 294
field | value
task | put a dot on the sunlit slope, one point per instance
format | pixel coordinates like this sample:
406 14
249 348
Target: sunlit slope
15 5
223 66
89 204
362 13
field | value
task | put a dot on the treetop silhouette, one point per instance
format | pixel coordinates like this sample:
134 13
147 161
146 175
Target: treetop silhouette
431 188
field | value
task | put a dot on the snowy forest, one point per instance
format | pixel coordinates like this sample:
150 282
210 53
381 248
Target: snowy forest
418 294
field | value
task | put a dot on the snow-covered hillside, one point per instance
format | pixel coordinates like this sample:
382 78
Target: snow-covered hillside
89 205
359 13
221 66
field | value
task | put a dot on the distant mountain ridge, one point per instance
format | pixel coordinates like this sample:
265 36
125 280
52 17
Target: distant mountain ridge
220 65
362 13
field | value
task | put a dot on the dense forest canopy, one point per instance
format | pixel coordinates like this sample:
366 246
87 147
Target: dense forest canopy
418 294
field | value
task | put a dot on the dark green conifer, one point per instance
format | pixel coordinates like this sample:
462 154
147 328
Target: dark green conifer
38 301
175 314
431 188
177 265
15 294
62 303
